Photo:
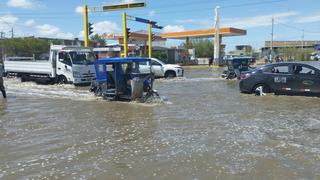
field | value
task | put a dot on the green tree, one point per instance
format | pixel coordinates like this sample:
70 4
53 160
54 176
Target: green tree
25 46
203 48
96 41
162 55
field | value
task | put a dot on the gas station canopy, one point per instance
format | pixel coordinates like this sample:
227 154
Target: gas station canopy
135 37
141 38
224 32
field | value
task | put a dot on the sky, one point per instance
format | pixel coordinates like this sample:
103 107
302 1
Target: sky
293 19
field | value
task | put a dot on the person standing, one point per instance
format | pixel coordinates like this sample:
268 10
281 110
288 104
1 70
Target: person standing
2 89
210 61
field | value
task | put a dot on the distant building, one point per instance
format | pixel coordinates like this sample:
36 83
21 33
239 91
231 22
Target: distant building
288 44
285 44
242 50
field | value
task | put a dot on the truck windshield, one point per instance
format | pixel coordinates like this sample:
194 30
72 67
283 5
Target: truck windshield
82 58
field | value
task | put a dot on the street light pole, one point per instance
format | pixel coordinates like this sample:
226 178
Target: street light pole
271 45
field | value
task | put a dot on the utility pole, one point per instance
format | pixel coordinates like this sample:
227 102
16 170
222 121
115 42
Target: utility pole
217 37
2 46
11 32
271 44
302 43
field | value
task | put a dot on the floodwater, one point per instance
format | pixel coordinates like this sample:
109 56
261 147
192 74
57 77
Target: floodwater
202 129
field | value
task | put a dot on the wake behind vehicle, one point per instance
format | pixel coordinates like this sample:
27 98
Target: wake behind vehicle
63 64
291 78
236 67
124 79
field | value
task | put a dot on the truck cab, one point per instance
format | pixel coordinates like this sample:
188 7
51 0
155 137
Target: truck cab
74 65
63 64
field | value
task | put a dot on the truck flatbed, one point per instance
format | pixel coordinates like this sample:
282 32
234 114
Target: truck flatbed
29 66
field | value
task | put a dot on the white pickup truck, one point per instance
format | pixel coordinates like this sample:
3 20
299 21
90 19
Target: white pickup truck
166 70
65 64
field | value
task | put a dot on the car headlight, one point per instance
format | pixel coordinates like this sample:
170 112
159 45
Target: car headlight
76 74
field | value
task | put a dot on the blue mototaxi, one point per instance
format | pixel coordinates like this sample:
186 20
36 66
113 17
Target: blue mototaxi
124 79
236 66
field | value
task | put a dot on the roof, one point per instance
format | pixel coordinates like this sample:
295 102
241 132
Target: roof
121 60
228 31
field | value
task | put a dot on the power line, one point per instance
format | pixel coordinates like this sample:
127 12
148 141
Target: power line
298 29
252 3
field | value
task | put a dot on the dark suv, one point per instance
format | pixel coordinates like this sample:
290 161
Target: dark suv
300 78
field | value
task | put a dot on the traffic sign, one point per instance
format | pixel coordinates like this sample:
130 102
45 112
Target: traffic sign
114 7
156 26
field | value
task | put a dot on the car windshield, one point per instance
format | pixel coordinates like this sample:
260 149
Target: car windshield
82 58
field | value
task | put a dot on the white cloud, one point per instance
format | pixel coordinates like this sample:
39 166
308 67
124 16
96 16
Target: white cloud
105 27
48 30
309 19
152 13
8 19
20 3
175 28
258 21
29 22
81 34
79 9
185 21
7 22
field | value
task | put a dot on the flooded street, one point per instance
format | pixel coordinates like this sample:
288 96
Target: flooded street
202 129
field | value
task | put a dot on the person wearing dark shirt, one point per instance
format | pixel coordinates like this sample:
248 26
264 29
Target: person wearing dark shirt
2 89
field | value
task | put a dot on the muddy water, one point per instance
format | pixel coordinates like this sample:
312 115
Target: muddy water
202 129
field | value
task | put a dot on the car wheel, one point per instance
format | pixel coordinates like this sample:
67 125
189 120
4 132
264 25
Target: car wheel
170 74
265 88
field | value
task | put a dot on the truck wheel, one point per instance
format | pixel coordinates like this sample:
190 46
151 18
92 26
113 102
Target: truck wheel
23 78
62 80
170 74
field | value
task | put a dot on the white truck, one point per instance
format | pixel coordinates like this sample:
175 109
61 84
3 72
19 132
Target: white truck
64 64
166 70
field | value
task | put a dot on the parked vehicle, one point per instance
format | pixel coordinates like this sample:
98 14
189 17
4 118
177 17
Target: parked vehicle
166 70
315 57
124 79
236 67
292 78
64 64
